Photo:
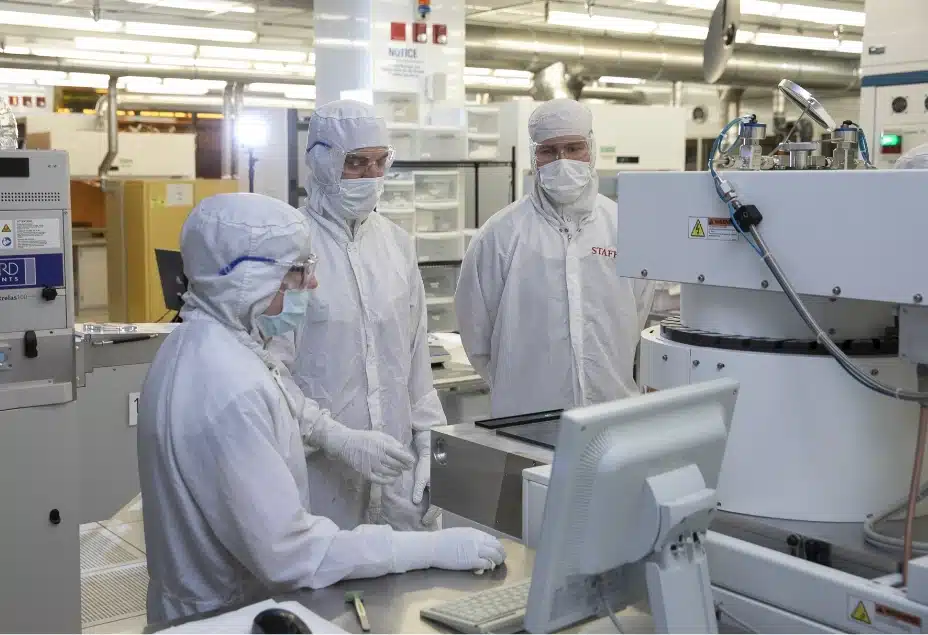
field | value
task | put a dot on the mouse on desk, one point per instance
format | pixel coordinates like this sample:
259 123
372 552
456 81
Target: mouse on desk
278 621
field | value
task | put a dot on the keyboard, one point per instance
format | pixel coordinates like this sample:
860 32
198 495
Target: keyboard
499 610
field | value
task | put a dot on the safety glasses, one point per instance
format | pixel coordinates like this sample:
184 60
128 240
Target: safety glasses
369 163
573 149
303 270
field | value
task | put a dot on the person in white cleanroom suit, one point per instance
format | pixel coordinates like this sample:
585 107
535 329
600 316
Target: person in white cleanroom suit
362 353
544 317
914 159
228 518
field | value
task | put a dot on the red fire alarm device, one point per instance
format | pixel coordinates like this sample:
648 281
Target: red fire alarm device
420 33
398 31
440 34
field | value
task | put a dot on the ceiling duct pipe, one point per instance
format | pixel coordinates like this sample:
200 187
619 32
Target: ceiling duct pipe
228 137
601 55
731 103
550 83
112 130
238 109
676 94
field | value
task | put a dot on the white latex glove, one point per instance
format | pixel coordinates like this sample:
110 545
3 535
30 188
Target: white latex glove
423 473
378 457
458 549
464 548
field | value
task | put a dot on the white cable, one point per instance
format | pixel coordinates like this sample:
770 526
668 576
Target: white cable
606 606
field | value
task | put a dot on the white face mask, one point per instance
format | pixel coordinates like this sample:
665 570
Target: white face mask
565 180
358 197
290 317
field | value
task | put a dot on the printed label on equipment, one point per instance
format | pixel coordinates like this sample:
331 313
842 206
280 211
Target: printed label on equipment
178 194
134 408
882 617
17 272
7 237
38 233
711 228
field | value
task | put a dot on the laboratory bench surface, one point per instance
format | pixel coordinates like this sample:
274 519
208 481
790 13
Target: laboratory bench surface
393 602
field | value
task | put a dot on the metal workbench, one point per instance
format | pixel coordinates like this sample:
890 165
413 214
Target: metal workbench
393 602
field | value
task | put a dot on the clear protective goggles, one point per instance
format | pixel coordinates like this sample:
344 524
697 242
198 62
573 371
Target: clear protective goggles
573 148
298 275
355 164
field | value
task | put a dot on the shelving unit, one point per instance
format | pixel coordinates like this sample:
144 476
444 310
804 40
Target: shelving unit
483 134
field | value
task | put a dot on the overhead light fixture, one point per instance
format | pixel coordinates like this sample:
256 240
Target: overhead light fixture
784 10
163 60
231 64
160 89
470 70
55 21
16 50
26 76
133 46
511 72
601 22
96 56
705 5
211 6
300 92
504 82
851 46
608 79
151 29
782 40
256 55
209 84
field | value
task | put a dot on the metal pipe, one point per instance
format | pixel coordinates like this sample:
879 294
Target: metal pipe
676 94
602 55
914 487
112 129
227 130
238 108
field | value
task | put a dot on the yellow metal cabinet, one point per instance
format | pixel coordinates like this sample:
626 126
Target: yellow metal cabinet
142 216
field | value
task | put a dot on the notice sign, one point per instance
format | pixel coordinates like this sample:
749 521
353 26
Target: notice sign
711 228
403 62
37 233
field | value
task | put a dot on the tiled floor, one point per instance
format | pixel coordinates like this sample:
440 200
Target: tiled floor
113 573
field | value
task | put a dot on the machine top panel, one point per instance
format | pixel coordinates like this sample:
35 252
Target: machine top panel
34 180
856 234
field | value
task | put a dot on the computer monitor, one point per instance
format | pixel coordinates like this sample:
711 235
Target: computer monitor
632 488
173 280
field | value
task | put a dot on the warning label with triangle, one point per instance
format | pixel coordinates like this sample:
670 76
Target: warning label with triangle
860 614
698 230
6 229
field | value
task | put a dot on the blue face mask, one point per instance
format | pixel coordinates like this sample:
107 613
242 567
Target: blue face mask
291 316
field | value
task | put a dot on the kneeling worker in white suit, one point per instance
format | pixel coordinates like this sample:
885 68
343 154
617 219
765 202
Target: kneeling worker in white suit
221 452
544 317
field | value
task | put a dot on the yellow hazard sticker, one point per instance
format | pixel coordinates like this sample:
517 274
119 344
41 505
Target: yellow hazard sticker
6 229
860 614
698 231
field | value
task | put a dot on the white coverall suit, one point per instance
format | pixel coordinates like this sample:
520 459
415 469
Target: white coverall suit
363 351
544 317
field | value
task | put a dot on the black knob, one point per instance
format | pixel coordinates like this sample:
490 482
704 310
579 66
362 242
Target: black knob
49 293
30 345
54 517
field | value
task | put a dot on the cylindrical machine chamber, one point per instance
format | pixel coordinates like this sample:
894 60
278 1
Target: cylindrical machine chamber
768 314
807 441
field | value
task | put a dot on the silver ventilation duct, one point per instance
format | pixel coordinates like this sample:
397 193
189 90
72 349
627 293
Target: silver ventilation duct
594 55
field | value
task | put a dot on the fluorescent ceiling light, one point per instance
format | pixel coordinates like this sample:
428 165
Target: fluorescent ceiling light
510 72
160 89
66 22
689 31
257 55
781 40
210 63
783 10
300 92
470 70
152 29
601 22
96 56
16 50
26 76
851 46
706 5
161 60
133 46
209 84
498 81
608 79
212 6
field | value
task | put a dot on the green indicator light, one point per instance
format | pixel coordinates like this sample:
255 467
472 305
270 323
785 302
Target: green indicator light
890 140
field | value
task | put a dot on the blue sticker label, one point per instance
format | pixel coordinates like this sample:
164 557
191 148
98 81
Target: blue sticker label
24 272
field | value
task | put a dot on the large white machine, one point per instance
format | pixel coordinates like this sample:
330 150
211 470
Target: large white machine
894 77
803 278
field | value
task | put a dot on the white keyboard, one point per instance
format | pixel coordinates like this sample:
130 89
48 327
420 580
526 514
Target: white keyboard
499 610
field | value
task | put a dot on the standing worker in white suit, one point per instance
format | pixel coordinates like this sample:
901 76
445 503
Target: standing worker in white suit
544 317
222 428
362 353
